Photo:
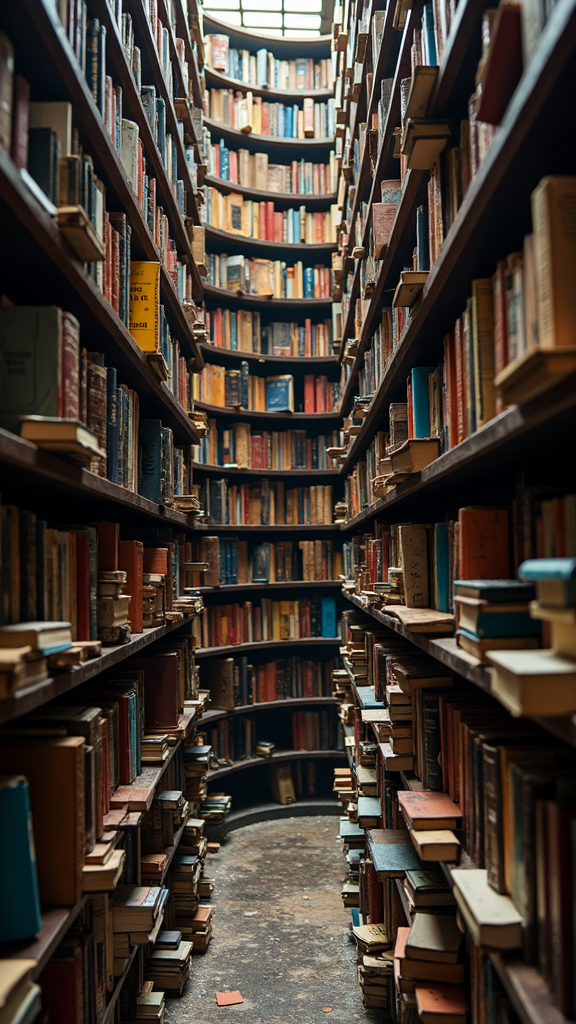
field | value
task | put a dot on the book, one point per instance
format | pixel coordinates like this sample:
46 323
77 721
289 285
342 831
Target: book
435 938
554 248
21 911
45 637
436 844
441 1004
392 852
491 918
145 304
280 393
423 810
533 682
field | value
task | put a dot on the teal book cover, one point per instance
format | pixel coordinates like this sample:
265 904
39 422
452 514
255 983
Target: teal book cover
328 606
421 400
280 394
20 917
30 375
150 475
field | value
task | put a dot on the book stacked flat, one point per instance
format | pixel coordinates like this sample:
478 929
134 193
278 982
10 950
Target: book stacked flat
137 915
150 1005
427 891
216 808
494 615
169 968
542 683
112 607
200 931
196 764
184 879
24 649
375 963
428 953
20 997
431 818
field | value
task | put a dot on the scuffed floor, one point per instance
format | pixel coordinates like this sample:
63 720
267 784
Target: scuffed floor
280 931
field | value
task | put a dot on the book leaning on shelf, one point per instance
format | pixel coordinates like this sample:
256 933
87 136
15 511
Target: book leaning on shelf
268 620
231 561
239 216
247 447
242 330
248 113
265 70
268 278
254 170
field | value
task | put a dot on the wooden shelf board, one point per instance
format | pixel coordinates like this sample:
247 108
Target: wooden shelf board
231 471
66 476
271 417
55 923
297 362
278 757
48 689
274 141
305 306
143 789
264 645
271 705
263 195
223 81
110 1012
232 588
284 528
527 991
306 251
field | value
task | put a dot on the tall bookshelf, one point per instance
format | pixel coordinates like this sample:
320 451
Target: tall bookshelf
93 59
405 65
226 521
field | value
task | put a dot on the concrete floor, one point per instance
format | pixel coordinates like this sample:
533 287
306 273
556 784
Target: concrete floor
280 931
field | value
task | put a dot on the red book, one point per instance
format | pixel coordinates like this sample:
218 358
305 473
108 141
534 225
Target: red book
108 542
20 109
319 395
269 236
70 356
265 119
262 220
105 773
61 982
309 393
156 560
319 226
484 546
308 678
451 389
233 165
131 562
295 177
278 235
261 684
163 687
375 895
271 680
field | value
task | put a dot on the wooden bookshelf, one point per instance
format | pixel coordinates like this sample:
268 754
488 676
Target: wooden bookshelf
308 252
283 419
218 80
235 472
281 199
306 148
265 645
235 588
278 757
272 705
285 528
55 923
110 1012
304 307
295 363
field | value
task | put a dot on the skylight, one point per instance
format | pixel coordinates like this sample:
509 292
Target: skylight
292 19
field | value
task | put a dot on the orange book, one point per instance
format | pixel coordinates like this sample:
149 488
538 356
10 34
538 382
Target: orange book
308 337
484 545
423 810
320 395
443 1003
309 393
156 560
269 235
270 670
131 561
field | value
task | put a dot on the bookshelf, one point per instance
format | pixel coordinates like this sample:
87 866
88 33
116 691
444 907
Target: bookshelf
284 151
91 77
511 459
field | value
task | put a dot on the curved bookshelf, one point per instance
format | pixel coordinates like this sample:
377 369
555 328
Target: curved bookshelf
235 588
303 306
252 415
278 757
281 45
294 362
309 252
288 702
265 645
281 528
250 139
260 195
222 81
236 471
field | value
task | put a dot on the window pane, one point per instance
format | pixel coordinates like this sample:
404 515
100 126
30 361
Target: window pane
253 19
262 5
306 6
228 17
296 33
302 21
225 5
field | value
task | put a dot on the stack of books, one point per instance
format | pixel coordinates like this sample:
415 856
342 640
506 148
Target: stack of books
137 915
196 764
201 929
375 964
24 651
184 877
150 1005
494 615
169 967
426 954
431 819
112 608
428 891
216 808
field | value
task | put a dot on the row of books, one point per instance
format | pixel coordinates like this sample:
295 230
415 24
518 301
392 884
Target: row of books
263 69
416 564
243 331
268 278
260 220
236 682
247 623
248 448
248 113
241 738
240 389
254 170
232 561
266 503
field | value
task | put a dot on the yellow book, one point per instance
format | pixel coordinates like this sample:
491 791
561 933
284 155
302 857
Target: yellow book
145 304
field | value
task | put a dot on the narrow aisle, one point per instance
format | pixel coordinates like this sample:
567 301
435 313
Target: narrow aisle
280 931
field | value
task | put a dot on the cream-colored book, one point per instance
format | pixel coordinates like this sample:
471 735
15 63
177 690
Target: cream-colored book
491 918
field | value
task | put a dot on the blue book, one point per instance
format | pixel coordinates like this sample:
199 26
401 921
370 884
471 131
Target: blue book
396 855
288 122
548 569
367 697
244 381
161 128
495 590
441 567
280 393
355 913
421 400
233 331
150 475
112 434
20 917
308 282
328 616
430 35
224 161
500 624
